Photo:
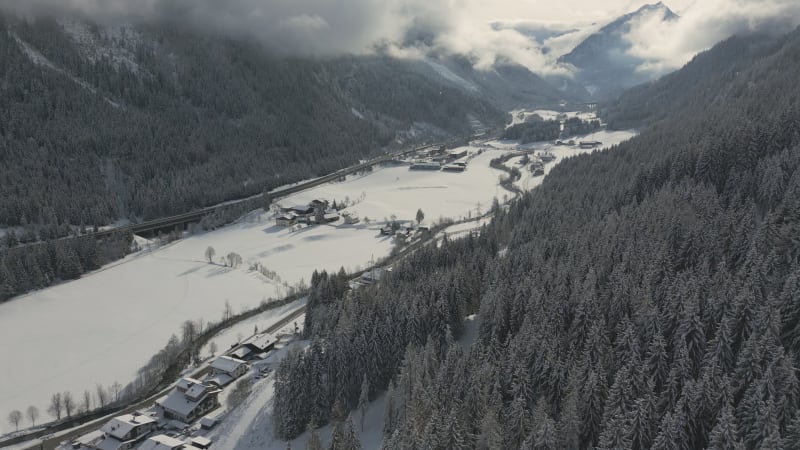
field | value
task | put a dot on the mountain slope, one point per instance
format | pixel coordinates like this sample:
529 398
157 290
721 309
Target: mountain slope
602 60
103 123
698 82
641 297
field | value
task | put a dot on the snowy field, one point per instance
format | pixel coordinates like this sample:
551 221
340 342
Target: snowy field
102 328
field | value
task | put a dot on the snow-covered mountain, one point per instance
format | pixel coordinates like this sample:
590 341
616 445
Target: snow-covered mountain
603 62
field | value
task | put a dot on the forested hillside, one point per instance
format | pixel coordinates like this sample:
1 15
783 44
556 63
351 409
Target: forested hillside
694 86
106 123
642 297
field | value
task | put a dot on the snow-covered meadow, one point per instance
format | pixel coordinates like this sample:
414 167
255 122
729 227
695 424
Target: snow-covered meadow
102 328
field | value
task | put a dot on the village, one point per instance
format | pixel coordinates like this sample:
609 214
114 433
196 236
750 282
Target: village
181 419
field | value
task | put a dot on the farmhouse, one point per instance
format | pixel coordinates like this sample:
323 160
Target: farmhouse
286 219
189 400
350 219
123 432
225 365
260 343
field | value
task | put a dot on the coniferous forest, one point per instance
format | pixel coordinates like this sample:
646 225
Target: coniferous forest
645 296
152 122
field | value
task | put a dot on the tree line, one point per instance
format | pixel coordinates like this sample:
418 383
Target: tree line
642 297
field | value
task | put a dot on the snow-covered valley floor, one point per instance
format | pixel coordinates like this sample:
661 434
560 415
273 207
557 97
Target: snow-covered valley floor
102 328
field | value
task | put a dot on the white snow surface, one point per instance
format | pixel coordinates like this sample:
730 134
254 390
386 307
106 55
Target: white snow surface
451 76
103 327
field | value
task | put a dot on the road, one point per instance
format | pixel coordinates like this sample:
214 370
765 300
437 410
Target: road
51 443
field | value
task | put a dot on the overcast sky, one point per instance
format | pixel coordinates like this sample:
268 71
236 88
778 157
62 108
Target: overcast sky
325 27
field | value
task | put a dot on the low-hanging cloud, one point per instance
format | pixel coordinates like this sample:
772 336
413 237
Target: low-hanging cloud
416 28
666 46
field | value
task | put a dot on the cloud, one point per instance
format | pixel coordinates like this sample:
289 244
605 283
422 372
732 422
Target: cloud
666 46
416 28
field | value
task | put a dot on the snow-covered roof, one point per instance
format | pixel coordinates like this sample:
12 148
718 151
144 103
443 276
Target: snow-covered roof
202 442
241 352
220 379
179 403
261 341
109 443
196 392
90 438
162 442
187 382
226 364
120 426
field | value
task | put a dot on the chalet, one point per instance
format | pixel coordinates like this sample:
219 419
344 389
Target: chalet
189 400
286 219
225 365
259 344
425 166
125 431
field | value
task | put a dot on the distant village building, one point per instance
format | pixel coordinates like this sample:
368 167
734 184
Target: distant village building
286 219
425 166
189 400
350 219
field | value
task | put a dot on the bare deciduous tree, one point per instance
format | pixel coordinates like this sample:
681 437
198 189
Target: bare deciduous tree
56 406
212 347
210 252
116 391
33 414
86 405
14 418
102 395
68 402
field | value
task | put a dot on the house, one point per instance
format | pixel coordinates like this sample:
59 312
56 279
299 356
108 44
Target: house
260 343
124 432
331 217
387 230
242 353
189 400
286 219
350 219
302 210
371 276
457 153
318 203
201 442
164 442
229 366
